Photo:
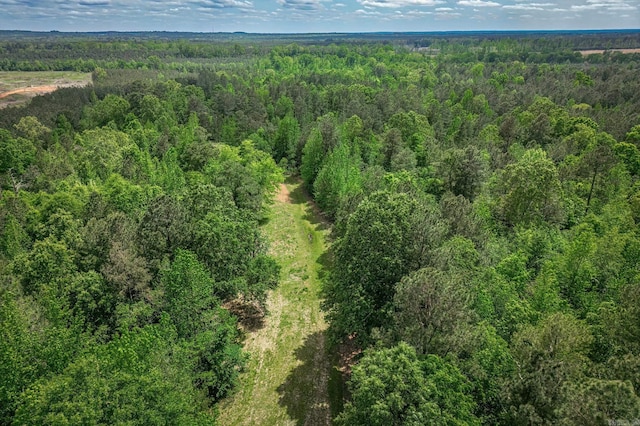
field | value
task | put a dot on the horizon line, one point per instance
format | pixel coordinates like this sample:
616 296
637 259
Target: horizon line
595 30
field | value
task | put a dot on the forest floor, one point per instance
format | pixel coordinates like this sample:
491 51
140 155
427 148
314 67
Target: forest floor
290 378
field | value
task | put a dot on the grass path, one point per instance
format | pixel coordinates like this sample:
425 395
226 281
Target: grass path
287 378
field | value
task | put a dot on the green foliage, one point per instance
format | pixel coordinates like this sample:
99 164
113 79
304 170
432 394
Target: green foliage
488 366
209 332
133 370
312 158
47 264
112 108
373 255
15 154
532 192
393 387
596 402
127 273
17 347
101 152
188 293
286 139
549 357
13 238
431 311
338 178
461 171
32 129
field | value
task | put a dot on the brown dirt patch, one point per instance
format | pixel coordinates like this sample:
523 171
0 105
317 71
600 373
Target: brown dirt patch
39 90
349 352
31 91
283 195
250 314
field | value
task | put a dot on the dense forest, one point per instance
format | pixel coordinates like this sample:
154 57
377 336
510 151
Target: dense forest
483 190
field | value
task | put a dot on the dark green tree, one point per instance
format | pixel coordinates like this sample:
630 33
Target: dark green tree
393 387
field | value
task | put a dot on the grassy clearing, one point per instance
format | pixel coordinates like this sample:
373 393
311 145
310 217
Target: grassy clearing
288 376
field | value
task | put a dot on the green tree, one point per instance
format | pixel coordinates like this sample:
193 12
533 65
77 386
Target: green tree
111 108
15 154
13 238
338 178
431 311
18 349
373 255
322 140
188 293
313 155
633 136
262 168
135 379
101 152
416 133
393 387
32 129
598 402
46 265
127 273
548 357
461 171
209 332
163 228
488 364
286 139
531 190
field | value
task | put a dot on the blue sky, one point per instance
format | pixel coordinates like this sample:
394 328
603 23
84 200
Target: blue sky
316 15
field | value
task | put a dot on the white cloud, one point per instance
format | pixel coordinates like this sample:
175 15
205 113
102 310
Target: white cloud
530 6
478 3
448 15
363 12
301 5
399 3
94 3
604 5
313 15
222 4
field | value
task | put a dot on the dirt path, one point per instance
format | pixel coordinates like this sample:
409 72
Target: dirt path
38 90
287 379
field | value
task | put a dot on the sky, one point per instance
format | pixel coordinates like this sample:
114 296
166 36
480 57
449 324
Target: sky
302 16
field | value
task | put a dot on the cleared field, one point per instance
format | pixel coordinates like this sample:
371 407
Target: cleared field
290 379
18 87
596 51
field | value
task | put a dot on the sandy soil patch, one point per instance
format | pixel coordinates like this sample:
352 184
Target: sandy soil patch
283 195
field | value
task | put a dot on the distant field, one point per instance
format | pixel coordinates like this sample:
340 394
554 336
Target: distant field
595 51
18 87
